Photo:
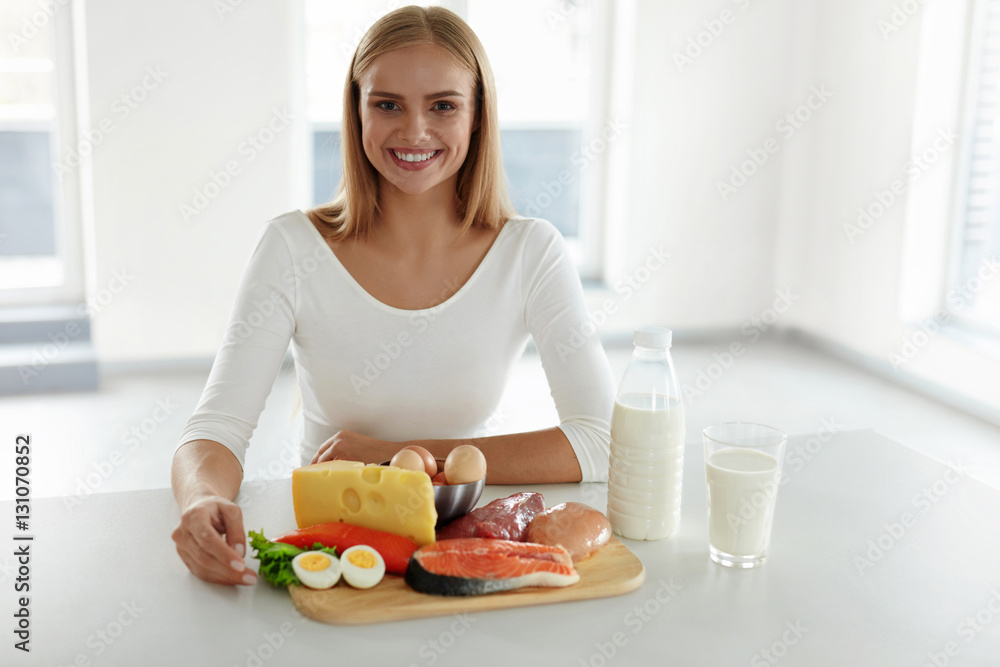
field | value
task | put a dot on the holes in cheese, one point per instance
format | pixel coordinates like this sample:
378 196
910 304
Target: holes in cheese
350 500
385 498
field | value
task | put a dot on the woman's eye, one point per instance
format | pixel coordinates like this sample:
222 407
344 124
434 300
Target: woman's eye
386 106
443 106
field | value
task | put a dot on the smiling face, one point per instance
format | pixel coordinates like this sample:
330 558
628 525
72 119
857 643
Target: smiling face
418 111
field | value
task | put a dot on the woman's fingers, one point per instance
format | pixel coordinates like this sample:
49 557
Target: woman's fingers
322 451
207 536
328 450
202 547
208 568
350 446
232 517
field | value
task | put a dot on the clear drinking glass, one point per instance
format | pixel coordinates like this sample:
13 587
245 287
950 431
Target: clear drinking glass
742 468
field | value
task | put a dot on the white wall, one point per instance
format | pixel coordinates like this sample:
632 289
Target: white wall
691 124
225 77
849 290
874 292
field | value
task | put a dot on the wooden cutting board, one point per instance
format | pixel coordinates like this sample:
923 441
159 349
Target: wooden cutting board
611 570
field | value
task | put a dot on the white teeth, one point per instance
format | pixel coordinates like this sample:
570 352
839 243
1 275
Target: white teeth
414 157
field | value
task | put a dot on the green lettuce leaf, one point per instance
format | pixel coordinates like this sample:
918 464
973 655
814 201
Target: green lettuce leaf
276 558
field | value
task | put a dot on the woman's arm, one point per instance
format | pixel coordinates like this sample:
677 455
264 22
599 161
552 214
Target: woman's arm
205 478
204 468
576 367
535 457
208 462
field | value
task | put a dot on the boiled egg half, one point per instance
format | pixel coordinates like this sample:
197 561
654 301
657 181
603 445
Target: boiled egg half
362 566
316 569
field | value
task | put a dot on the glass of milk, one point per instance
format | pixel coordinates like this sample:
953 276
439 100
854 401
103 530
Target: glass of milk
743 468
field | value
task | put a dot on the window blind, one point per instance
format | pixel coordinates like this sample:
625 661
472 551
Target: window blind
981 225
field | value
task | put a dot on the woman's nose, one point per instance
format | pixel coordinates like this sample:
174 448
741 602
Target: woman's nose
414 128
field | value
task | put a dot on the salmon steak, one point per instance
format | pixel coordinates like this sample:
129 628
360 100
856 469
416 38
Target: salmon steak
478 565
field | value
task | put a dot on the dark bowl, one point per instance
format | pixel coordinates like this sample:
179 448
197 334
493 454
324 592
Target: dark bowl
455 500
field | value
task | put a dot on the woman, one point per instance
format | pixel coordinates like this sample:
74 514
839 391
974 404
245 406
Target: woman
407 299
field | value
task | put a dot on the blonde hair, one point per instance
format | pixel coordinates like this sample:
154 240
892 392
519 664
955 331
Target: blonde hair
481 189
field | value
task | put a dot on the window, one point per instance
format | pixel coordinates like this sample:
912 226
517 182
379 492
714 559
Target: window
37 246
544 117
973 295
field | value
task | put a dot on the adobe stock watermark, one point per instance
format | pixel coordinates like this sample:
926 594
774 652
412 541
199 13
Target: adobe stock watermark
803 453
374 365
636 619
243 327
929 328
8 569
560 15
753 329
698 44
581 159
901 14
225 7
913 169
786 126
46 354
432 649
493 424
761 499
95 305
130 440
347 48
778 649
281 466
387 352
121 108
892 533
272 642
35 23
104 637
970 628
626 287
247 152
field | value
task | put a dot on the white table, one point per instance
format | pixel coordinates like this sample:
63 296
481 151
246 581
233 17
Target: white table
109 589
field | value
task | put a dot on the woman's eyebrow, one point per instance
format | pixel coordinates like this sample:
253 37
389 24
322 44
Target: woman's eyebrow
395 96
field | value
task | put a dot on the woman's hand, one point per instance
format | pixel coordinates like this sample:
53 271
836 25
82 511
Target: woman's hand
202 548
351 446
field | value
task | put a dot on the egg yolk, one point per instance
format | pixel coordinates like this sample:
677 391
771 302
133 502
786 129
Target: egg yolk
314 562
361 558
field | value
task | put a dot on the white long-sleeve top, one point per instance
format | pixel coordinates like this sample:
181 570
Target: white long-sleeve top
395 374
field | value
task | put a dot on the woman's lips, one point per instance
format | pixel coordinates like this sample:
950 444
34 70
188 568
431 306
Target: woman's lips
414 166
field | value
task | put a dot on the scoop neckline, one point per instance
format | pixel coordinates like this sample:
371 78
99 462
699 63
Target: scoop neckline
392 309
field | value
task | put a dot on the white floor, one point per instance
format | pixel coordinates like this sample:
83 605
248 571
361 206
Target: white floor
123 437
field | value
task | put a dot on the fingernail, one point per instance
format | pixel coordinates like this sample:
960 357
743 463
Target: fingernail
241 550
236 565
249 579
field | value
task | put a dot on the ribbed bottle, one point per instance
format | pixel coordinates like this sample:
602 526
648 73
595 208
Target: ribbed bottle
647 442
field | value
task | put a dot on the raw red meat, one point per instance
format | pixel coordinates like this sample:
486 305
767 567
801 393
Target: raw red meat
503 519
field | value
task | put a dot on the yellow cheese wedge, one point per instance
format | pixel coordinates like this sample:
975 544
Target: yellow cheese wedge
381 497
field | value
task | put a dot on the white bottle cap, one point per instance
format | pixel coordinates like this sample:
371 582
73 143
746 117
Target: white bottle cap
657 338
